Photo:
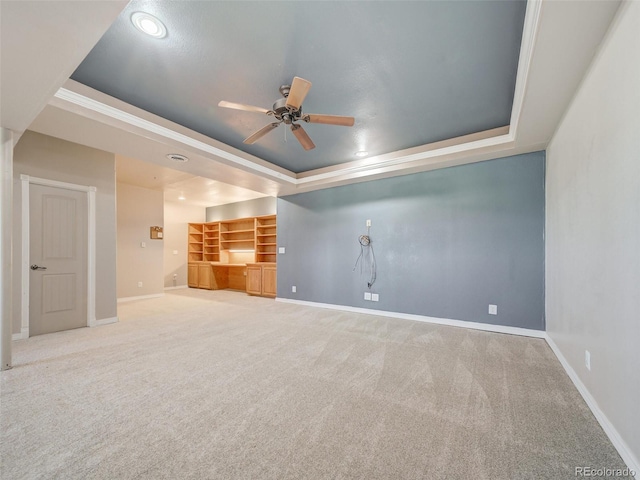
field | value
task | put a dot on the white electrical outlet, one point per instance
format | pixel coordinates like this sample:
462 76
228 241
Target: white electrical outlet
143 245
493 309
293 289
368 223
281 250
375 297
139 284
367 295
587 359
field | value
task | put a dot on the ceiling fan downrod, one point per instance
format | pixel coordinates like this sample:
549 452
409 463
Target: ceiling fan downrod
284 90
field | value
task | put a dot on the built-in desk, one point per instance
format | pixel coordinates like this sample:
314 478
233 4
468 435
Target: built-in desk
253 278
228 275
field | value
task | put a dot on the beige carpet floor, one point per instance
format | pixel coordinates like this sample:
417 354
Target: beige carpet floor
219 385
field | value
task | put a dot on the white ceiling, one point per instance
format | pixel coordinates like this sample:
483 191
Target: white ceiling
179 186
558 43
41 45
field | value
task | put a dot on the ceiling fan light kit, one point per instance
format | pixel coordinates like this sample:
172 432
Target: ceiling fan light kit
288 110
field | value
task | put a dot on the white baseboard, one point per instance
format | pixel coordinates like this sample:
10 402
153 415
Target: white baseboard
104 321
141 297
24 333
179 287
623 449
526 332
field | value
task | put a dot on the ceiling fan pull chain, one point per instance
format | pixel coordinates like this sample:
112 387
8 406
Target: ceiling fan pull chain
285 135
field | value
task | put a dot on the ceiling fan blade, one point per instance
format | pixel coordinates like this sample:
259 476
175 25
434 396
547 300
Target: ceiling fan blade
302 137
299 89
260 133
240 106
329 119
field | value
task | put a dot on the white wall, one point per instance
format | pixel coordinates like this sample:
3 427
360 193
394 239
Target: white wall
138 209
248 208
593 232
177 216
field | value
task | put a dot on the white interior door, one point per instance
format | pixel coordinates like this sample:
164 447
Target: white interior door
58 259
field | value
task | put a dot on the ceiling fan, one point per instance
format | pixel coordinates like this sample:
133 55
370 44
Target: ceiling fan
288 110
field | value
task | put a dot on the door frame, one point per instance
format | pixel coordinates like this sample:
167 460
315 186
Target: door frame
26 181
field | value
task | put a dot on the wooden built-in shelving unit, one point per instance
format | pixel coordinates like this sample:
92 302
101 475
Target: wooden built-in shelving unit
266 239
196 242
219 252
211 242
238 234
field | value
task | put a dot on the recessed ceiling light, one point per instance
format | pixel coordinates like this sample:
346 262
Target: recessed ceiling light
362 153
149 24
176 157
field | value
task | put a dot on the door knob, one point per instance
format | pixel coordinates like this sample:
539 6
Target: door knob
36 267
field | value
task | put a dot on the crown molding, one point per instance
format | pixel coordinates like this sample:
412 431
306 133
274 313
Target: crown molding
126 118
527 44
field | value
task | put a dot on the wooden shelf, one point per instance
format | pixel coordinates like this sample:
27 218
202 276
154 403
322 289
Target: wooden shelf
237 241
246 230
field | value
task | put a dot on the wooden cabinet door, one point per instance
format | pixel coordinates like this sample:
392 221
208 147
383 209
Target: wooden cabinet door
254 280
192 275
204 276
269 283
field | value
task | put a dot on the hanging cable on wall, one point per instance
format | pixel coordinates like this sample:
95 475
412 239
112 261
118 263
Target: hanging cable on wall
367 256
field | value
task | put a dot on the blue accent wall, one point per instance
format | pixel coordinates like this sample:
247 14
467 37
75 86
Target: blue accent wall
447 243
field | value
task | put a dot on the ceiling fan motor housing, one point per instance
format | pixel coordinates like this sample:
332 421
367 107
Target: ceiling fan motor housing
284 113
